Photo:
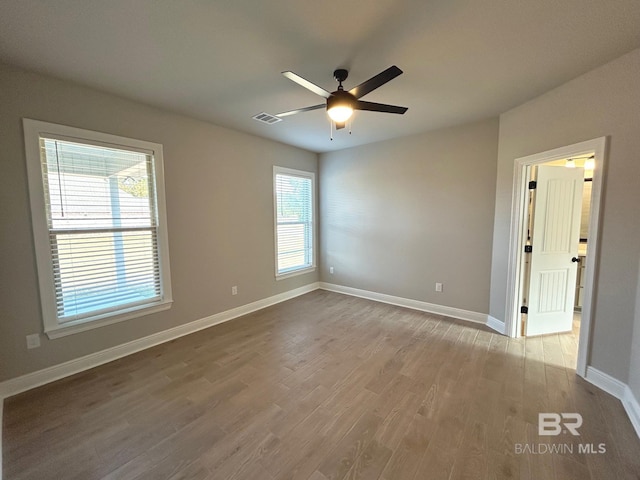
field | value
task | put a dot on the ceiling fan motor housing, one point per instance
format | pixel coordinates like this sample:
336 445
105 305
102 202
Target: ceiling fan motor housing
340 98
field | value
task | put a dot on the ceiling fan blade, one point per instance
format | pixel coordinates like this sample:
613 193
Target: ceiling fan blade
300 110
375 82
340 125
379 107
306 84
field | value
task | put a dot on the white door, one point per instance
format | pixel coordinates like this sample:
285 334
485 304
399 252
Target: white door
556 235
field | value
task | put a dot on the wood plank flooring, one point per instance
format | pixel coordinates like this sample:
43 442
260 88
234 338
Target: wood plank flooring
323 387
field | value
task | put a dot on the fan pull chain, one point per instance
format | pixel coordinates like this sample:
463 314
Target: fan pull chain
331 130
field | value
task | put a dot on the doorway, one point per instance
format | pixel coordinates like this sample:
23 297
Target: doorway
555 245
519 237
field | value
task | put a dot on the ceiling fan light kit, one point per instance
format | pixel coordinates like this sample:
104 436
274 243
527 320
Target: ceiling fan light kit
340 113
341 104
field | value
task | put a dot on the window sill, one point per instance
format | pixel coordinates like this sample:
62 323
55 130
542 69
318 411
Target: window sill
85 324
295 273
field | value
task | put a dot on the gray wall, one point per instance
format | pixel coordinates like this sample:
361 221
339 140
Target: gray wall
398 216
219 208
603 102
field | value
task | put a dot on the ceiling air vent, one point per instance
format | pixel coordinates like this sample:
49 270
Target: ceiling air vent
266 118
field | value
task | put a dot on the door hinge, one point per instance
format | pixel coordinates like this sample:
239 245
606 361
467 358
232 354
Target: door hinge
532 185
528 248
524 309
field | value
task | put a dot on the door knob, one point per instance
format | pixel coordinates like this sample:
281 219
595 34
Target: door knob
575 259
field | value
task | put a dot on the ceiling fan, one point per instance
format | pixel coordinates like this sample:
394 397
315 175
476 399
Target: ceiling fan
341 104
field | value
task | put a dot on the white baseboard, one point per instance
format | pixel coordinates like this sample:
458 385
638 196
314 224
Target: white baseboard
495 324
408 303
56 372
619 390
606 382
632 406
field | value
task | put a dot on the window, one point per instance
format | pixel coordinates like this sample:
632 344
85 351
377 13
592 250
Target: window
294 193
97 204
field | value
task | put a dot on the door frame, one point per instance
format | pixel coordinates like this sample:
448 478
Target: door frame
517 237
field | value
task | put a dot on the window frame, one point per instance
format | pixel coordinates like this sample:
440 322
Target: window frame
302 174
34 130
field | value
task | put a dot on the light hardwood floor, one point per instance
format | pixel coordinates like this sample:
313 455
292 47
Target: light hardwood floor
324 386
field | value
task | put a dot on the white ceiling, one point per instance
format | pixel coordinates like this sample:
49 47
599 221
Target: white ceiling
220 60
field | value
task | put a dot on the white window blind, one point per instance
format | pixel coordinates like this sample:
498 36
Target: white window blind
102 230
294 205
102 227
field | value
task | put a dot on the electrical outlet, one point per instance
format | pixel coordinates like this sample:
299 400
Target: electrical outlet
33 341
438 287
331 270
234 290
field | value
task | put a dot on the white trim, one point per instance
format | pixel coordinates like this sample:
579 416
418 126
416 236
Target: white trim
302 174
632 407
35 379
495 324
34 130
605 382
295 273
619 390
453 312
598 146
84 325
